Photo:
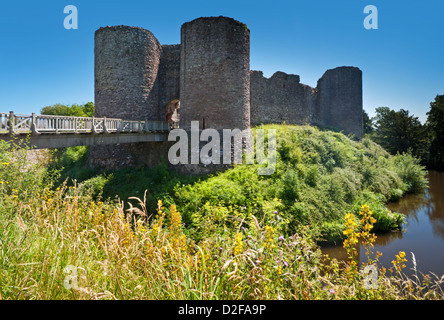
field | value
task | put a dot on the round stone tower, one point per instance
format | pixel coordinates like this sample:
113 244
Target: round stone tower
340 100
125 67
126 64
215 74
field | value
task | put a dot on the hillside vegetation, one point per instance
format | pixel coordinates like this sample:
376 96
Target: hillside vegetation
319 176
234 235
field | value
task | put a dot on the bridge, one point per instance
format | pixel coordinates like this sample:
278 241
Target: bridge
47 131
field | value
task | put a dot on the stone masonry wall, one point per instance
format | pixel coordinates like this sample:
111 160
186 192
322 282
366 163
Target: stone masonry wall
281 98
169 76
126 65
339 104
135 77
126 62
336 102
215 73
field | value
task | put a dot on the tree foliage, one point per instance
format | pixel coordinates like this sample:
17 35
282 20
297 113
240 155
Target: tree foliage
435 125
74 110
398 131
368 122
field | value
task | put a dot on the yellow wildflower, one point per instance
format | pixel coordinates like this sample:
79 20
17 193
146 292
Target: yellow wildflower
269 238
238 247
278 270
399 262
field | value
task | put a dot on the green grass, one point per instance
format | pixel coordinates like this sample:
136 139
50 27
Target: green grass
233 247
319 176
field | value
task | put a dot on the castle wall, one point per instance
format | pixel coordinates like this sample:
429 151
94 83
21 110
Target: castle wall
169 76
339 101
215 73
336 102
125 66
135 77
281 98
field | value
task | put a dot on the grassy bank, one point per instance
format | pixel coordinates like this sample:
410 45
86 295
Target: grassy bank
319 176
61 242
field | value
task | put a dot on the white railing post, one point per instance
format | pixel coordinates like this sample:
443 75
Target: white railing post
11 122
93 128
105 126
119 126
34 124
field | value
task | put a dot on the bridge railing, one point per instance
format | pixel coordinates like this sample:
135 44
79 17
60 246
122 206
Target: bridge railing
16 123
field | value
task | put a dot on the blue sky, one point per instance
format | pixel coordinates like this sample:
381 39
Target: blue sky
42 63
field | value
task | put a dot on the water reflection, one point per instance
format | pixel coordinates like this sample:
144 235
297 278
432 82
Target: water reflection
423 233
435 211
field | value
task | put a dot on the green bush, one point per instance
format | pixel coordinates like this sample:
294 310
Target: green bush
290 187
312 176
410 171
94 186
319 176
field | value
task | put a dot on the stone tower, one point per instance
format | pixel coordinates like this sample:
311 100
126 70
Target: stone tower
339 100
125 66
215 74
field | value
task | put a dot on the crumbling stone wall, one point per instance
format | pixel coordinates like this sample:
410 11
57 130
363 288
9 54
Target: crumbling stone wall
281 98
215 73
167 84
169 75
336 102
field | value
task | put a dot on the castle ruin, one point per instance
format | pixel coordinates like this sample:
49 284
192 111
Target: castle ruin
209 72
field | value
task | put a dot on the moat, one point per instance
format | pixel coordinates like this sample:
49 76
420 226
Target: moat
422 233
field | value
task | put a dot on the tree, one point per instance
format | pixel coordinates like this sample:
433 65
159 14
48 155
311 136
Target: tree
368 122
74 110
397 131
435 125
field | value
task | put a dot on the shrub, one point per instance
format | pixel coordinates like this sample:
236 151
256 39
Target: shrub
312 176
290 187
411 172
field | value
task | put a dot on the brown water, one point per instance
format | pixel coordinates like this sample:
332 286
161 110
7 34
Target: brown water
422 234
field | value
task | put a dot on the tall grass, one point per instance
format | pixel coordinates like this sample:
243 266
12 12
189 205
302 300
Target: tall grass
61 243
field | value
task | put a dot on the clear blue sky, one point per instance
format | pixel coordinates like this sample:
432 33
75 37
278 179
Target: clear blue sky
42 63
